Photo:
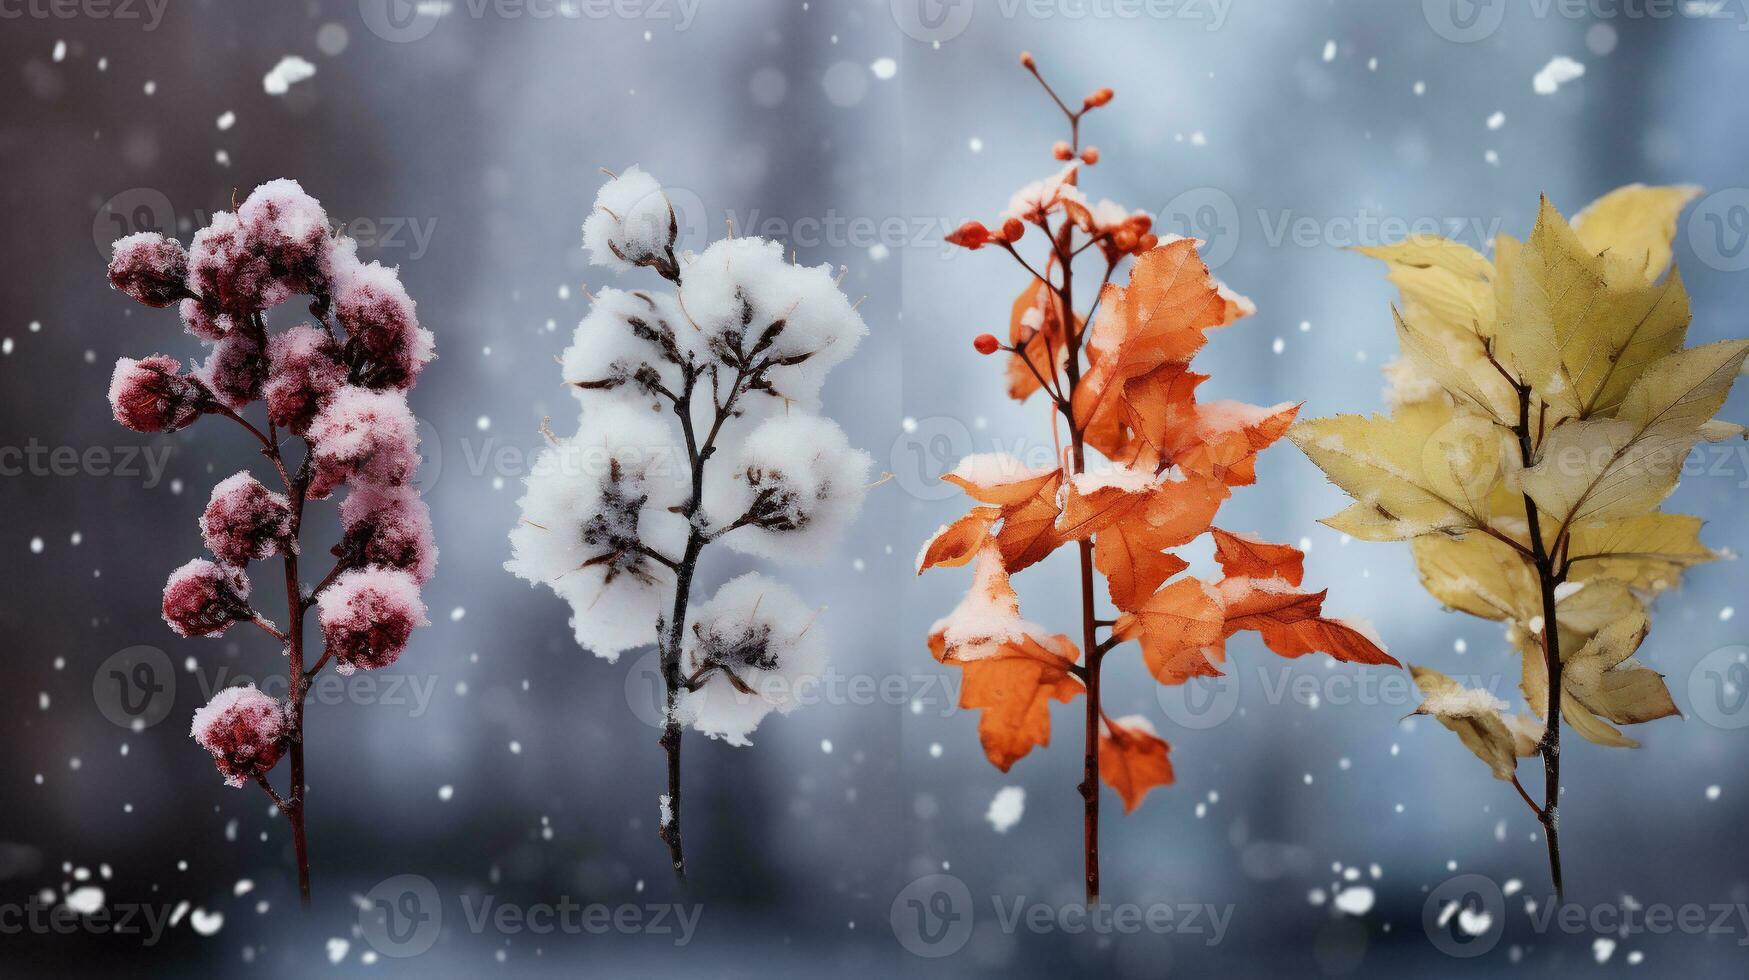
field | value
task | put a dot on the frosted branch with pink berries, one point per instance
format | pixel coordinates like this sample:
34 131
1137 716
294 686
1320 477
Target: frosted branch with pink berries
698 426
334 418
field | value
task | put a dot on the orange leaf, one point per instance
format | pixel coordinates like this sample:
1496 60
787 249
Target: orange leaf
1133 760
1035 325
1162 403
1014 689
1292 623
1173 626
959 542
1029 529
987 620
1247 557
1339 639
1130 551
1000 479
1132 566
1227 437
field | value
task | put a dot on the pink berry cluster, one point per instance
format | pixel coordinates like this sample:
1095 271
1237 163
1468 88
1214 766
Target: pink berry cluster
339 383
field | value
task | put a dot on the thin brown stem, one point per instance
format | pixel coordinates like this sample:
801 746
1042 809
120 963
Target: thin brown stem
1547 580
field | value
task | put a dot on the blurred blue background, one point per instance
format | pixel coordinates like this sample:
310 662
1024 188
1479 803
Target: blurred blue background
507 763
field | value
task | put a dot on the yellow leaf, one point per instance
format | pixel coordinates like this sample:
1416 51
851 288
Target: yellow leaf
1575 336
1635 225
1477 574
1648 552
1456 359
1420 469
1476 717
1444 283
958 543
1603 677
1627 465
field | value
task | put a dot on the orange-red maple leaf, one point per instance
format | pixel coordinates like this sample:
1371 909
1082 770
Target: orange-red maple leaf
1174 626
1247 557
958 543
1014 689
1132 759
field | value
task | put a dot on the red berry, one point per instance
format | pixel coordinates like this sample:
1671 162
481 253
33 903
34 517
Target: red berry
986 344
1061 150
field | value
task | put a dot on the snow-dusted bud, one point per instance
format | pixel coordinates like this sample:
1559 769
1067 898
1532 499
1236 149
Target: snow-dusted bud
367 615
149 268
754 644
385 345
362 435
148 395
595 502
303 368
388 526
235 369
244 521
784 326
203 598
245 730
290 231
793 490
628 347
631 225
203 321
230 276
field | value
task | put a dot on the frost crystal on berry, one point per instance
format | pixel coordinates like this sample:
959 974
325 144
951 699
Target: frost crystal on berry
148 395
244 729
303 368
364 435
388 526
149 268
385 344
203 598
367 615
235 370
290 231
244 521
